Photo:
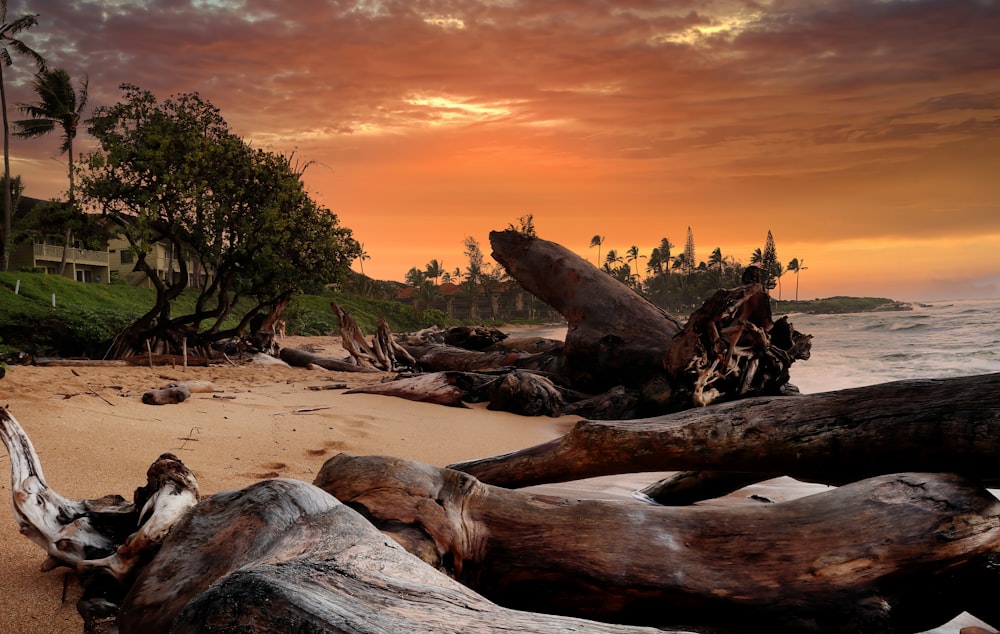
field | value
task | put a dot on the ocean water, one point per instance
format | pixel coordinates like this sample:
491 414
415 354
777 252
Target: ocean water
934 340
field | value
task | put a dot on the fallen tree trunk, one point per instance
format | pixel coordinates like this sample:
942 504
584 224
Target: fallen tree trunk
864 557
517 391
614 336
284 556
729 348
945 425
302 359
436 357
442 388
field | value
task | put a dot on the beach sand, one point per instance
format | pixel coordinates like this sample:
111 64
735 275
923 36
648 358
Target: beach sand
94 436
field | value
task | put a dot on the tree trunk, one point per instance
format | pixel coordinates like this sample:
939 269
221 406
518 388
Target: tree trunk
284 556
865 557
729 348
614 335
301 359
945 425
442 388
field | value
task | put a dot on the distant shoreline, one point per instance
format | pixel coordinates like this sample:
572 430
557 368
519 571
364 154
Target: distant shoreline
840 305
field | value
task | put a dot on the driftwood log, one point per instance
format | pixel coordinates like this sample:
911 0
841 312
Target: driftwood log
302 359
284 556
383 353
729 348
614 336
105 540
896 553
518 391
621 353
944 425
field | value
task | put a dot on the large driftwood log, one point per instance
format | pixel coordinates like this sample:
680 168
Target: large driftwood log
302 359
454 389
517 391
862 558
946 425
729 348
614 336
284 556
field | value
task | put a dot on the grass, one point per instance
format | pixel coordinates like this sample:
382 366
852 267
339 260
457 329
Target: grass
86 317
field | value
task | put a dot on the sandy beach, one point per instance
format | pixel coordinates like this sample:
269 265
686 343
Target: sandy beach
94 437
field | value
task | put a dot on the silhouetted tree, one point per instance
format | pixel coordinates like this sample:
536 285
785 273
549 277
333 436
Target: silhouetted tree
9 42
597 241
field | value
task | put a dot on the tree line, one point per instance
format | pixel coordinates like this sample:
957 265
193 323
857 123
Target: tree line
675 281
679 282
243 229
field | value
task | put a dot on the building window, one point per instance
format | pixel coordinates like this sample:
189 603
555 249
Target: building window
126 256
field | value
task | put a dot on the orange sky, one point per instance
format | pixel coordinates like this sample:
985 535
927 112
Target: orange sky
865 135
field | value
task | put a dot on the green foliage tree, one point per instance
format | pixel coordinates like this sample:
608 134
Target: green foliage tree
61 107
9 42
172 172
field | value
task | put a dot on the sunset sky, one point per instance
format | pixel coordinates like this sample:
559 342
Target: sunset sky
865 134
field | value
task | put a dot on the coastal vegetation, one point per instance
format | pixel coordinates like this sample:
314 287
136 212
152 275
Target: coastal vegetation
677 282
85 318
241 232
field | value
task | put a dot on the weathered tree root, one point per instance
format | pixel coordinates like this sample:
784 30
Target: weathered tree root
105 540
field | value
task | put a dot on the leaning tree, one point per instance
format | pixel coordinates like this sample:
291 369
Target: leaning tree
237 219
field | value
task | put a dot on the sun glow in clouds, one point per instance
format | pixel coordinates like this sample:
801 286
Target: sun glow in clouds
725 26
456 110
446 22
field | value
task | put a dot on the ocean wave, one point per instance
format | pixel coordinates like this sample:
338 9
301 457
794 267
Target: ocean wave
896 326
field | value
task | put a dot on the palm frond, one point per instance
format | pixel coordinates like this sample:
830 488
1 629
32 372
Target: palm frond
26 51
24 22
81 96
33 128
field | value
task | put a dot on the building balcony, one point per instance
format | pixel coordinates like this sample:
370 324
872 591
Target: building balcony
54 253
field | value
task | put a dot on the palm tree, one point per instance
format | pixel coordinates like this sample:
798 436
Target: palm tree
632 255
660 258
717 260
362 256
9 42
597 241
610 259
434 270
796 266
58 105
